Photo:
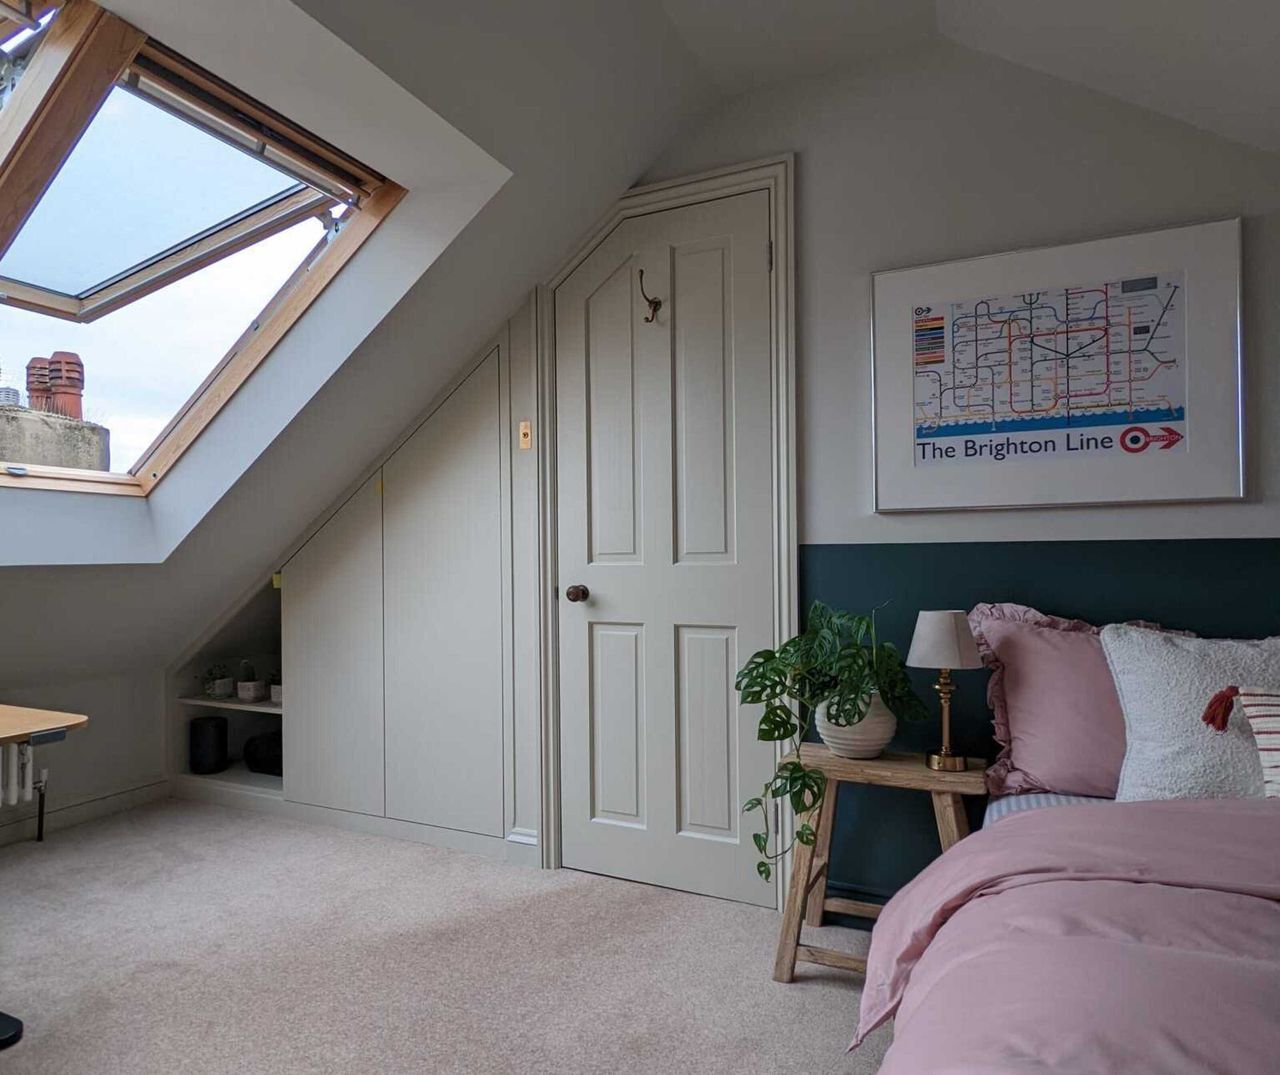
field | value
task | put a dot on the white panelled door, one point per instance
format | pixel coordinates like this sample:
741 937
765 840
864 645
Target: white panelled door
665 450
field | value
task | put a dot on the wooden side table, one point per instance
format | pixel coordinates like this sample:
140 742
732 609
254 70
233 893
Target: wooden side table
806 895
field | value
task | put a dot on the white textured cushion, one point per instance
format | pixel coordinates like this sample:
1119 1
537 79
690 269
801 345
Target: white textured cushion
1164 682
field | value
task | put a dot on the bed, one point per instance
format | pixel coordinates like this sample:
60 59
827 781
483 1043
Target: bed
1097 937
1004 806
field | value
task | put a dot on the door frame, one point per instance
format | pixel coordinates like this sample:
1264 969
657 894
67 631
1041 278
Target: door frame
775 175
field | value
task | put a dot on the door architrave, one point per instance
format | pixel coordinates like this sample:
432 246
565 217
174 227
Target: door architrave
774 175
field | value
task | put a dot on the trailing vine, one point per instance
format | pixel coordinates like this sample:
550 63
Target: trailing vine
837 661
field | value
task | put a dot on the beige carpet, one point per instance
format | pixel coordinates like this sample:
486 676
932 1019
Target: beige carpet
183 938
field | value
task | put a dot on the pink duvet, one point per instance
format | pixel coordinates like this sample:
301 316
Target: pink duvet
1122 937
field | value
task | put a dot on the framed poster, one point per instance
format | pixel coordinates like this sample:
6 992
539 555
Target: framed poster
1105 372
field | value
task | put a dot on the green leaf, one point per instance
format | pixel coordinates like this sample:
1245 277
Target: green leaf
806 835
759 660
752 804
764 870
776 723
760 840
806 791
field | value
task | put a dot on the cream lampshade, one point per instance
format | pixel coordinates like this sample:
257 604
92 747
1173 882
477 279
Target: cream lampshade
942 640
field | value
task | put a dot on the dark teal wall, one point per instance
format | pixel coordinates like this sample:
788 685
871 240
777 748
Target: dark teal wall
1229 588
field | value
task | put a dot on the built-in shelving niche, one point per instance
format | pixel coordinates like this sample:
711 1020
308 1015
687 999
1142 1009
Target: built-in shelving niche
252 634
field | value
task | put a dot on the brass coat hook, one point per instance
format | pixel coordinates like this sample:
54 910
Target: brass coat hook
654 304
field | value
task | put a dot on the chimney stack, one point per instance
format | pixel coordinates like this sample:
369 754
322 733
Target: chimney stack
66 384
38 384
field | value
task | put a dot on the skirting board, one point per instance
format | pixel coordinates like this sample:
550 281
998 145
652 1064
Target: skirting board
522 854
24 828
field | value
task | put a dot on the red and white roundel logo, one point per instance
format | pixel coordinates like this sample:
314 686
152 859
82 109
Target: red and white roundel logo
1135 439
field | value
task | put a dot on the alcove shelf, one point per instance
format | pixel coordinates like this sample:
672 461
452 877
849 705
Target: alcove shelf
247 635
233 703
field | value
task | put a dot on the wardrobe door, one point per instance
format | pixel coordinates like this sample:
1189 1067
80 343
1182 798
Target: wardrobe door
332 655
445 642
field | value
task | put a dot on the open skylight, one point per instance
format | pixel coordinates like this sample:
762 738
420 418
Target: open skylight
140 184
160 232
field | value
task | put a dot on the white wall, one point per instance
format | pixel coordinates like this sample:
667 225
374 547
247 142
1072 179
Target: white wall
119 750
946 153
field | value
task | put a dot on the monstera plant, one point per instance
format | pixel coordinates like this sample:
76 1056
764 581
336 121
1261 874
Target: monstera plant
836 662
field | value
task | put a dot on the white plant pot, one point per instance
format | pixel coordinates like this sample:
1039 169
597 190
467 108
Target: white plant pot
251 690
866 739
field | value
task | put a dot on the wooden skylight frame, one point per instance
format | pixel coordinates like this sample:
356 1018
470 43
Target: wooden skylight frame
84 54
10 24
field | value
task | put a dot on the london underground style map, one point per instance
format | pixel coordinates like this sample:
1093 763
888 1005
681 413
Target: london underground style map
1095 368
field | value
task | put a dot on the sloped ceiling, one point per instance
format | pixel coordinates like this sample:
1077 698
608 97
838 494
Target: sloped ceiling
1208 63
529 87
744 44
1211 64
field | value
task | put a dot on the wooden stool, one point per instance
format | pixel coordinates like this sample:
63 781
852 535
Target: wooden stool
806 894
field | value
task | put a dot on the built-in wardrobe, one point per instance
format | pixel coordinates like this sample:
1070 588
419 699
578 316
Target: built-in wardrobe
409 626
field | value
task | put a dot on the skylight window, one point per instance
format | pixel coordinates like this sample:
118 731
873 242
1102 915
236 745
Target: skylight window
140 184
159 234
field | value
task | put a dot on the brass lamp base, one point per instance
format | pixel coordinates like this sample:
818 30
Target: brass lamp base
947 763
943 760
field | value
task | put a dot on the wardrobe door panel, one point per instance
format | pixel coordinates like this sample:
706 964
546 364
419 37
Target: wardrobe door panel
332 656
445 649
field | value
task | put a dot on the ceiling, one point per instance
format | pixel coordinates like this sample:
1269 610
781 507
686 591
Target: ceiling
742 44
1210 64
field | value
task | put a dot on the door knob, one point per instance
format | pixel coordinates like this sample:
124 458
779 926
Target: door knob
577 592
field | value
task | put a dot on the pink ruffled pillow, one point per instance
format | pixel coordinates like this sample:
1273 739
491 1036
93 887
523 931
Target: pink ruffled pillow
1055 708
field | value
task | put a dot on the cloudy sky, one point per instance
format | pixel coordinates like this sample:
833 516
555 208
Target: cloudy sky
138 182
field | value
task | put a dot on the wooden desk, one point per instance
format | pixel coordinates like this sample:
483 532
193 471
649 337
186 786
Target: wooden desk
18 724
806 894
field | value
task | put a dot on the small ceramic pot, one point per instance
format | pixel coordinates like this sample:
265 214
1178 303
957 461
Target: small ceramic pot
277 694
251 690
866 739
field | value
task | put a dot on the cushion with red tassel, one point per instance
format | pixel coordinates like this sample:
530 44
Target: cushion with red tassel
1173 746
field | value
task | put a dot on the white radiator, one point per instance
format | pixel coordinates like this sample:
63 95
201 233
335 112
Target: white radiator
17 774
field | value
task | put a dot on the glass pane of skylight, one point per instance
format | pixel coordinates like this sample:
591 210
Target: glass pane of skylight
139 182
143 362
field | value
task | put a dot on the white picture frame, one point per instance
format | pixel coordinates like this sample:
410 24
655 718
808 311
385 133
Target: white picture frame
1102 372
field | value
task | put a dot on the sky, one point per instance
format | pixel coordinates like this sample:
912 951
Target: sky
139 181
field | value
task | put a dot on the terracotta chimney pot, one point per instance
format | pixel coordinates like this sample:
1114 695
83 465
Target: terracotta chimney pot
38 384
66 384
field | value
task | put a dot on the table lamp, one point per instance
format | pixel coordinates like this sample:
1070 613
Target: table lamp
942 640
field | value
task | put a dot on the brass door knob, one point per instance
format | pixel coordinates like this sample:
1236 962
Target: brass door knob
577 593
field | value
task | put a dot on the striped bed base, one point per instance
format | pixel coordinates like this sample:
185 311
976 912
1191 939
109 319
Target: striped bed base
1262 708
1006 805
